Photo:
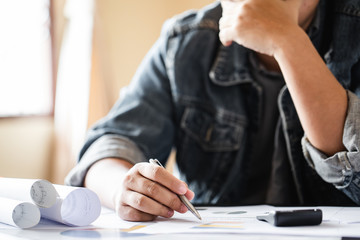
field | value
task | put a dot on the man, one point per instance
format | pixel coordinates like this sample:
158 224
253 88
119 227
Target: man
265 114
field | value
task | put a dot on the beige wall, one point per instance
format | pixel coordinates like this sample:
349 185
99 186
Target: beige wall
26 147
127 29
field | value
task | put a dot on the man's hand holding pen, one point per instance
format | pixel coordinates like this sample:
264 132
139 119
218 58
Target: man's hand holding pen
148 191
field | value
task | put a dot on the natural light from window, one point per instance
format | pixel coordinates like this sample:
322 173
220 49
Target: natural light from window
25 58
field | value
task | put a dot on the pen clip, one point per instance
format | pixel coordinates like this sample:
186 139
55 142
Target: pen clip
155 161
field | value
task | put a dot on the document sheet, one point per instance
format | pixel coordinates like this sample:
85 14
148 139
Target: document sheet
337 222
217 222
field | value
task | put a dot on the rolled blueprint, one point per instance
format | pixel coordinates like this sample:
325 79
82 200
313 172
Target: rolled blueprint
40 192
74 207
18 213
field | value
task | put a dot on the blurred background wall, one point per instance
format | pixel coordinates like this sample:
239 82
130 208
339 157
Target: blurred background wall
122 33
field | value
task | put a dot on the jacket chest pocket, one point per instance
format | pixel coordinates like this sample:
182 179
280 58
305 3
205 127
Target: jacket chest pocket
214 131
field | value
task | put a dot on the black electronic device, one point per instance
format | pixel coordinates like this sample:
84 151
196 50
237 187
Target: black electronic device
285 218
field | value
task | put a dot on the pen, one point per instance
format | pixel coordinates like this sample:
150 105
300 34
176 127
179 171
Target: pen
182 197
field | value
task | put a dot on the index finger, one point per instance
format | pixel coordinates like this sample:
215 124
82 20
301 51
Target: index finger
163 177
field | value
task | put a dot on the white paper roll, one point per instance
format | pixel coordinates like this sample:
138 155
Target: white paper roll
39 191
74 207
19 214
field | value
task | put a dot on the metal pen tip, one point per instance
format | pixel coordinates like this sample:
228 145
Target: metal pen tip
189 206
198 215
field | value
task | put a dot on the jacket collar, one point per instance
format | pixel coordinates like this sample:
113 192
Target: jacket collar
231 66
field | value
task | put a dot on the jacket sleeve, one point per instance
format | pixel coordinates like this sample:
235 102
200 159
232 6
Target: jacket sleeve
343 168
140 125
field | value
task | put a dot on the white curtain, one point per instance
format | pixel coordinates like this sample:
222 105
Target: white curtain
73 86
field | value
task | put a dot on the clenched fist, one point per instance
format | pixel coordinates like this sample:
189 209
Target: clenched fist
264 25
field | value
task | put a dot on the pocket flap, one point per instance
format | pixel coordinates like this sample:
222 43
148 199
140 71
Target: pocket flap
217 131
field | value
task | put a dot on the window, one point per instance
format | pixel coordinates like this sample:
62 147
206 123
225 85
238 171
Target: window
25 58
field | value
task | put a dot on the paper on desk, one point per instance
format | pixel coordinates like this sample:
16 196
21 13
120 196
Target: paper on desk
39 191
18 214
74 206
227 223
242 220
344 215
214 220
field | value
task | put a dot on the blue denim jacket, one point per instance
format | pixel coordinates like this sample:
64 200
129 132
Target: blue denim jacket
193 94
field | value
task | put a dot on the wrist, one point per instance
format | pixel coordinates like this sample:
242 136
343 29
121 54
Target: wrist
289 43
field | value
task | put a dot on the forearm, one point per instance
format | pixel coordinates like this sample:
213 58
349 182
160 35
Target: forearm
320 100
105 178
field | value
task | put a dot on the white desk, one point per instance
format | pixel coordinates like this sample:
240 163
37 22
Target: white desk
219 222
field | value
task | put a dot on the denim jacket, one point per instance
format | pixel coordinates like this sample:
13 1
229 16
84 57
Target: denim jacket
195 95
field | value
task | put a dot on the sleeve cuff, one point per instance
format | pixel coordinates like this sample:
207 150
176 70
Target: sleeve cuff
339 168
335 169
107 146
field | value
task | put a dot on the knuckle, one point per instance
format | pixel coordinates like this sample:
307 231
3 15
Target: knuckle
139 201
128 179
137 216
129 214
134 215
155 172
152 189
